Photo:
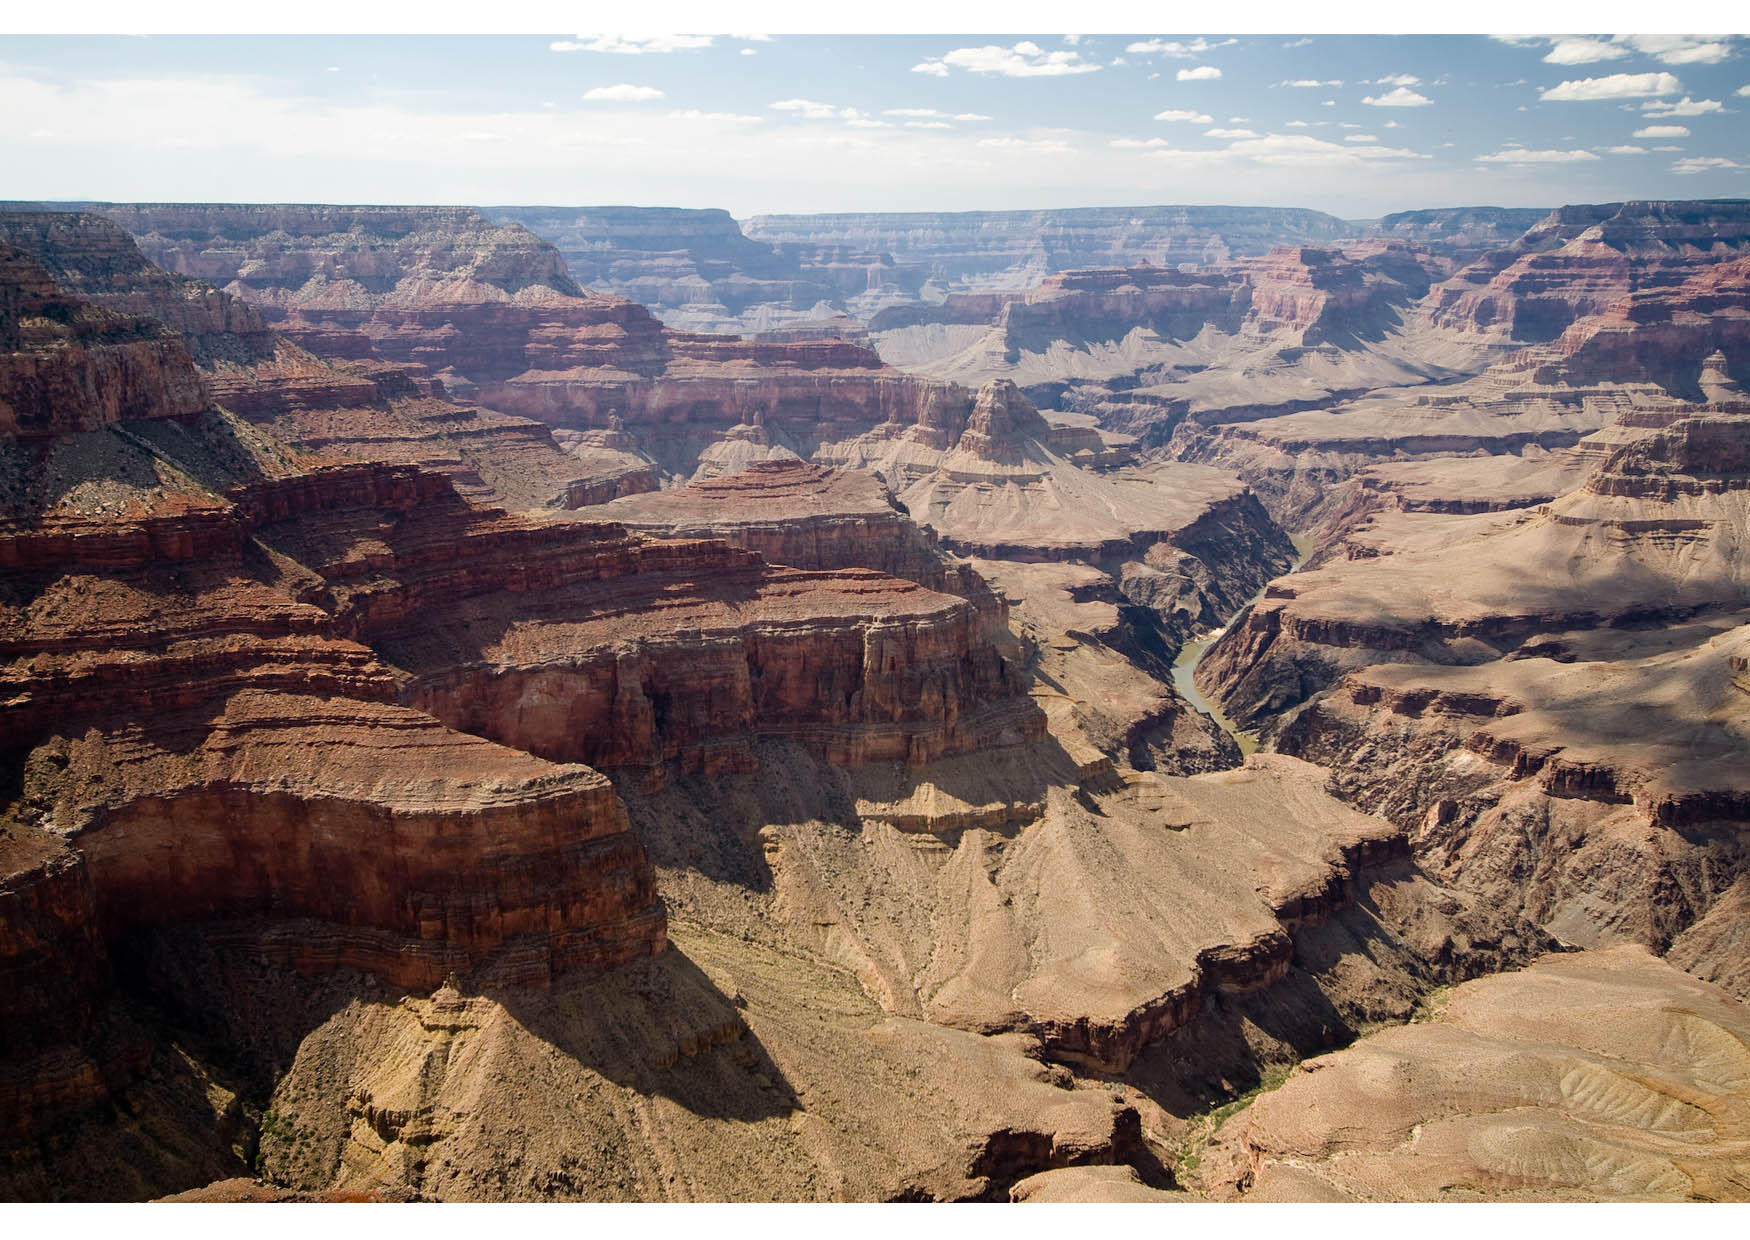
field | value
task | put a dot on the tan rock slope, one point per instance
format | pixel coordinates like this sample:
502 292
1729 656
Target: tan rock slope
1550 696
1602 1076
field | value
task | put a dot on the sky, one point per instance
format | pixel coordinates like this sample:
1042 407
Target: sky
1355 125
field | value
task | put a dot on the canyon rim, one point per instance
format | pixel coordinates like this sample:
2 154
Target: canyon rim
885 689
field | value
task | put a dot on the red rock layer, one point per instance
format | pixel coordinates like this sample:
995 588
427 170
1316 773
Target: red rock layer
803 515
489 309
89 257
1583 261
68 366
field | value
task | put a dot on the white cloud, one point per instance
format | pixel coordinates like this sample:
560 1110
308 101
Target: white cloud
1301 124
1394 124
725 118
1626 150
753 38
1522 156
748 51
1176 114
1042 145
1312 83
1303 149
1137 143
1024 59
1360 137
1298 43
1161 47
814 110
1398 79
1615 86
1682 107
1402 97
1702 163
1580 50
1286 151
624 92
1662 131
1742 90
1229 133
1202 73
1681 49
934 114
334 68
634 44
1072 39
928 125
1670 49
807 109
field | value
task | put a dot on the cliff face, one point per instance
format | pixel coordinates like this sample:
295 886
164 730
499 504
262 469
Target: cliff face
1587 260
808 516
354 406
1461 233
247 689
69 366
91 258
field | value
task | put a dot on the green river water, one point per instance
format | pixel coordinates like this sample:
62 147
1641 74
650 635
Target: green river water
1185 666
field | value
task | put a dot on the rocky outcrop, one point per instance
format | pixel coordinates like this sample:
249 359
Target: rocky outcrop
354 407
803 515
69 366
1581 261
995 483
1336 296
91 258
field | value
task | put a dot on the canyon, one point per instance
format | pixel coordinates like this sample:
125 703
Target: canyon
615 703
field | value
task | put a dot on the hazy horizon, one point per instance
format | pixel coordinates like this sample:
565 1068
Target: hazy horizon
1356 126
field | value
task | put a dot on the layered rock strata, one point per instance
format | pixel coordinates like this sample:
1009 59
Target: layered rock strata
1010 249
230 670
1565 737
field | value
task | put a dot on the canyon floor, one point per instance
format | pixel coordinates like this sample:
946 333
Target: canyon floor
1226 705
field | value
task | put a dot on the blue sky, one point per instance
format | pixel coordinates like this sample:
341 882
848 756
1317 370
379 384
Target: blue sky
1357 125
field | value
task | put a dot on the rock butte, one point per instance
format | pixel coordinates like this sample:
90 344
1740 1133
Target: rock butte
471 737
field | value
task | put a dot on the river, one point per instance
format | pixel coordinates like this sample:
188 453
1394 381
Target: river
1185 666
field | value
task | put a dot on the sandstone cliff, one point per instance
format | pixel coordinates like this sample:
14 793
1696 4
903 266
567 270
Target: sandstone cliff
229 673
